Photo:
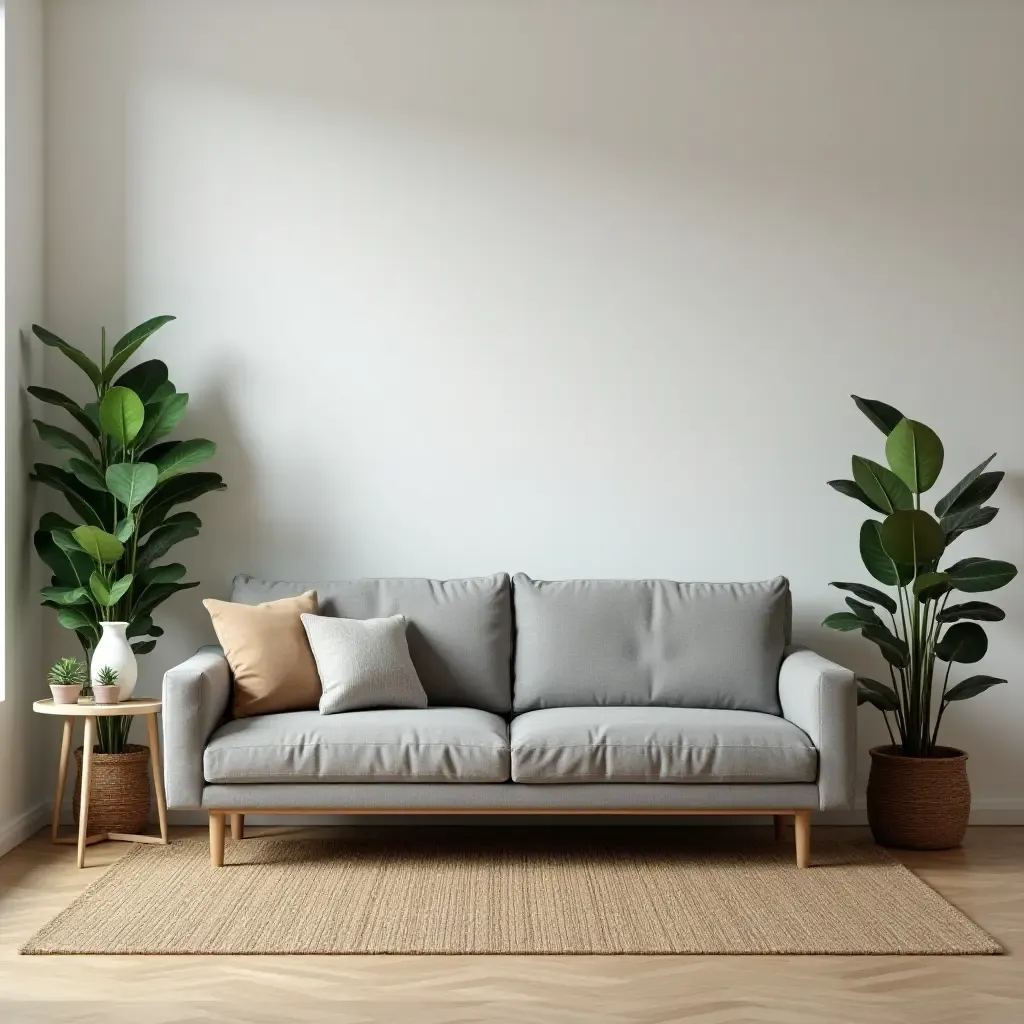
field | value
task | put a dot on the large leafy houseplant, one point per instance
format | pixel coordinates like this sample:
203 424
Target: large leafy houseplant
124 481
929 628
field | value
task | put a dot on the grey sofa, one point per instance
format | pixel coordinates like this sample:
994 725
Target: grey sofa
579 696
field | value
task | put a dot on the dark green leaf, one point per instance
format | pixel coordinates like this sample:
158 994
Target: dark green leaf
122 415
182 456
876 561
163 418
852 490
77 356
974 575
964 642
176 528
930 586
52 521
970 519
80 620
131 482
120 588
944 505
176 491
911 537
130 343
63 440
65 595
972 686
866 593
144 379
88 474
70 569
100 546
977 493
157 594
87 503
143 646
893 648
914 453
845 622
139 626
879 694
161 394
885 417
170 573
978 610
883 488
98 586
864 612
57 398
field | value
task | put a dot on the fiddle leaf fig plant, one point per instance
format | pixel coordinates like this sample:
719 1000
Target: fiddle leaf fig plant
930 630
123 483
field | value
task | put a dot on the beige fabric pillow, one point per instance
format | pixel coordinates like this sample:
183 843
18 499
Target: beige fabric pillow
269 654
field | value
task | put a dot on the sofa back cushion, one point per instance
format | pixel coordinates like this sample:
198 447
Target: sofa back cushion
581 643
459 631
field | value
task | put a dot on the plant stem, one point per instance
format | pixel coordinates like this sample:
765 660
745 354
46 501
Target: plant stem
885 718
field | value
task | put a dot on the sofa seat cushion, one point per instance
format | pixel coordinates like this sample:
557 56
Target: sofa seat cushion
658 744
394 745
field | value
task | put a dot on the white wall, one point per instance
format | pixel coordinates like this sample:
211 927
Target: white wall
23 781
573 288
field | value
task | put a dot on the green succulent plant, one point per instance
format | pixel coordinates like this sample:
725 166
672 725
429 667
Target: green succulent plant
904 551
67 672
106 676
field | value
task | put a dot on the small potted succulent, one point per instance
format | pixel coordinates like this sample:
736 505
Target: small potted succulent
66 678
104 687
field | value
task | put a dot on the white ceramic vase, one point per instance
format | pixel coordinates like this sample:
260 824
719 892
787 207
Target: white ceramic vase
115 651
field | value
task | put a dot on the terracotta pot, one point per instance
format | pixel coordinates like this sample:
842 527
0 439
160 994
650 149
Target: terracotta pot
65 694
919 803
118 790
106 694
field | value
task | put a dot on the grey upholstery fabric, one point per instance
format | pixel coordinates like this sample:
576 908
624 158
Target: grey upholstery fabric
195 697
459 632
681 745
821 698
363 663
429 745
648 642
611 796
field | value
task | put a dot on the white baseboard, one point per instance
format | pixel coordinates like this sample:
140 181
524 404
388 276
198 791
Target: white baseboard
983 812
16 830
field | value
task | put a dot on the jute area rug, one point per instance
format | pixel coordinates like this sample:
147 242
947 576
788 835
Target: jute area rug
507 891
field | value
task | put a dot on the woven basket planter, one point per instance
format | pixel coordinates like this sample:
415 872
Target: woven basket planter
918 803
118 790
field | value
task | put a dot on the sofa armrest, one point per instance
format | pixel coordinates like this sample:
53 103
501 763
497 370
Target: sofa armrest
195 696
820 697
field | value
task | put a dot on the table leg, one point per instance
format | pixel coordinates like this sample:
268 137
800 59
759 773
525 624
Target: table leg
158 782
62 775
83 812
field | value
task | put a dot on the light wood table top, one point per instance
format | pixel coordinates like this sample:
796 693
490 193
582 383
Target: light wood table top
86 706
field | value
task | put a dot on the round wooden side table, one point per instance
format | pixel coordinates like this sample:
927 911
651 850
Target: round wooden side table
85 708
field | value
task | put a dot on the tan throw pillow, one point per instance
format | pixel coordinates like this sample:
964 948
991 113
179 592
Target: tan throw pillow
269 654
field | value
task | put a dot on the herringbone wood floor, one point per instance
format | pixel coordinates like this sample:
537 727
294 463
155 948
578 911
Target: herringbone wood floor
985 879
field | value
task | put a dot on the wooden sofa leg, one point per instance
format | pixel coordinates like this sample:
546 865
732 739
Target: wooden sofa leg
803 838
237 826
216 839
779 821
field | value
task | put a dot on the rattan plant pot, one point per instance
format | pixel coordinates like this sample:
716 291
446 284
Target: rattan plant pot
118 790
918 803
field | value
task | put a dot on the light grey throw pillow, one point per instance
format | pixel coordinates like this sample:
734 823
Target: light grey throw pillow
363 663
